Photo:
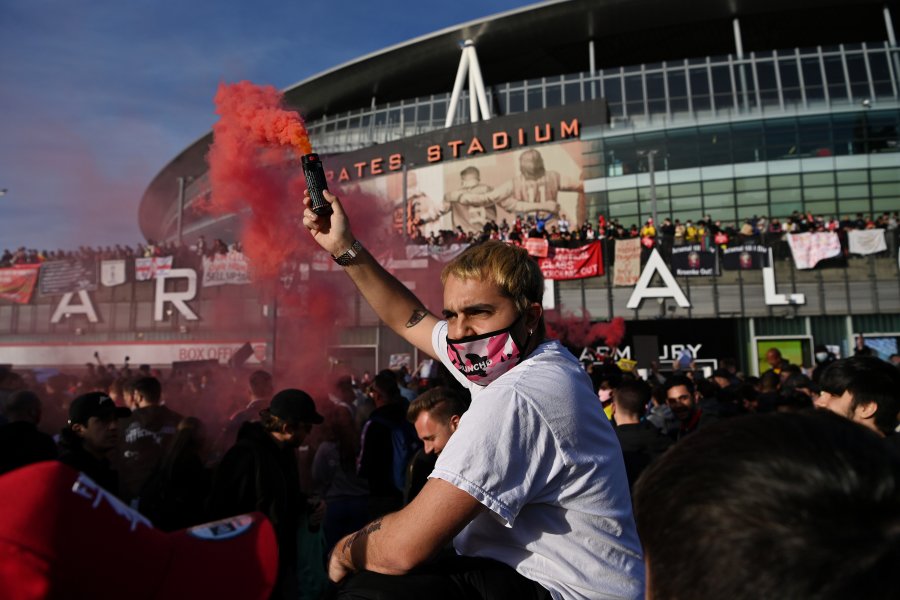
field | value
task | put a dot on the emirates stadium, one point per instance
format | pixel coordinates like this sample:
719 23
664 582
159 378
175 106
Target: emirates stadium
774 127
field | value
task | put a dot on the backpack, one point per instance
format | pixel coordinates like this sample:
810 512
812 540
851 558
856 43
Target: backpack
405 443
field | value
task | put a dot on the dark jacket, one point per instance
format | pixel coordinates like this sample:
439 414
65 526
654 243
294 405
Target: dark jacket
376 456
257 474
22 444
641 444
72 453
145 437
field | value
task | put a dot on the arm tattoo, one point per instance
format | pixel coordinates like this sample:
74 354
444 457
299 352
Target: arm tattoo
367 530
416 317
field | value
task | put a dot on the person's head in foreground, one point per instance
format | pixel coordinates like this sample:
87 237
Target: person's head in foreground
492 304
772 506
863 389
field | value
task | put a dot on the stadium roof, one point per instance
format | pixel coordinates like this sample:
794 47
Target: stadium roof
551 38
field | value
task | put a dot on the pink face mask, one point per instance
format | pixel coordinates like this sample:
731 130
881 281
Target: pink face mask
484 358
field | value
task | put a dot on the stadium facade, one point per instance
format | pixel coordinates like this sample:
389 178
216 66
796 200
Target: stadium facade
643 109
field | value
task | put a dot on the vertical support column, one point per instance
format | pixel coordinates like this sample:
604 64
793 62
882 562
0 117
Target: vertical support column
179 226
475 70
892 41
473 99
457 88
592 62
739 51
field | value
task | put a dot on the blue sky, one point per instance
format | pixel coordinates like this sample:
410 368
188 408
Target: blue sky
96 96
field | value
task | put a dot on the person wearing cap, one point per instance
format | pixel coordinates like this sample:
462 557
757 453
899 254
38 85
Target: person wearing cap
260 473
91 436
531 488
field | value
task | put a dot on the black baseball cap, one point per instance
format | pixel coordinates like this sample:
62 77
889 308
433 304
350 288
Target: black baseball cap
94 404
295 406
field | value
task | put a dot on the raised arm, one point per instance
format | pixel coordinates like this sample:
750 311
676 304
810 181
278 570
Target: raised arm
400 541
391 300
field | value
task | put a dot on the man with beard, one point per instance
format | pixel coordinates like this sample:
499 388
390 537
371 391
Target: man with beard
531 487
683 399
260 473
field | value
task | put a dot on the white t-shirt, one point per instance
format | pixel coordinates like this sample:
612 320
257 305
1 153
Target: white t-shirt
536 449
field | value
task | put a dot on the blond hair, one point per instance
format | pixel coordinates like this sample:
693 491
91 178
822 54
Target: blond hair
508 267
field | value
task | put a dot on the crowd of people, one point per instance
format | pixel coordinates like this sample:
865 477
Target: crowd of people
707 232
32 256
507 469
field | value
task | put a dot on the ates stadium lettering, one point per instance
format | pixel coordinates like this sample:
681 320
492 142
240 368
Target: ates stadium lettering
461 148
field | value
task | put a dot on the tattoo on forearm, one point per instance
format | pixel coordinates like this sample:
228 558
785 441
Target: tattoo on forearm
367 530
416 317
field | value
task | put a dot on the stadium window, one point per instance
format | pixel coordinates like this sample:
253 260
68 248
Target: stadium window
535 98
856 176
438 111
680 190
516 101
883 175
634 95
553 95
721 79
714 145
812 79
834 74
846 132
851 207
822 209
768 85
814 136
781 139
819 193
750 183
626 195
711 201
812 179
881 74
747 142
750 212
677 81
886 190
880 205
612 88
790 81
572 92
882 131
681 147
718 186
859 77
852 191
784 181
726 215
700 89
751 198
409 116
656 93
788 196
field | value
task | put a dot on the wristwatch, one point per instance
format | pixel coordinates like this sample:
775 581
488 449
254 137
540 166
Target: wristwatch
347 257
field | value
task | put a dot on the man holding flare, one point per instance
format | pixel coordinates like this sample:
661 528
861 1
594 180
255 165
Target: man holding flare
531 488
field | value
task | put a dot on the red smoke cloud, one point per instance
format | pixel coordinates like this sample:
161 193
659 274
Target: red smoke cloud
580 332
254 169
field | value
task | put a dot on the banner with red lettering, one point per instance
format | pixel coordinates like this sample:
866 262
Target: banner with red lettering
628 262
226 269
573 263
17 283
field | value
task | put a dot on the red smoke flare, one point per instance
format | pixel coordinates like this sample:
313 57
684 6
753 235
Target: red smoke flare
255 171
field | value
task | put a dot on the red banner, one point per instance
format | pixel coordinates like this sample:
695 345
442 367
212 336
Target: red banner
573 263
537 247
17 283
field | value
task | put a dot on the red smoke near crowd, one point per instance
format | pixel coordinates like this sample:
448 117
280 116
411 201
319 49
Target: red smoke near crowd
579 332
254 169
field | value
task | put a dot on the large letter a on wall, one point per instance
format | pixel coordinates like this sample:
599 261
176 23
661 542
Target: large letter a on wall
643 290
